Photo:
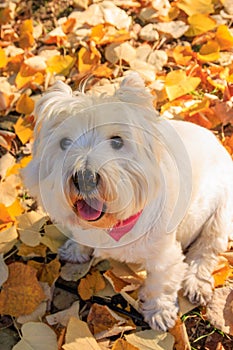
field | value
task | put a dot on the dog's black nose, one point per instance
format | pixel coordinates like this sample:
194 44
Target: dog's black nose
85 180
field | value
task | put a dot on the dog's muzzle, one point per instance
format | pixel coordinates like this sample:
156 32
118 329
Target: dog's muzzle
86 181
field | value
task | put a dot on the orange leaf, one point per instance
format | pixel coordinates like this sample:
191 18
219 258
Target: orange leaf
118 284
88 59
224 38
5 100
21 293
5 15
6 138
182 54
180 334
56 36
23 80
91 284
103 71
177 84
3 58
23 129
68 26
26 38
47 272
5 216
221 272
25 104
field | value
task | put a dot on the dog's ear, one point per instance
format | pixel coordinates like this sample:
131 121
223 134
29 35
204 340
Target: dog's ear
55 94
133 90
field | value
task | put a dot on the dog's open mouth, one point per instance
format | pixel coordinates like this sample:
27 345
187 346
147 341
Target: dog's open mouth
93 209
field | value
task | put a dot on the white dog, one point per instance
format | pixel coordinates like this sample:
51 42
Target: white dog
129 185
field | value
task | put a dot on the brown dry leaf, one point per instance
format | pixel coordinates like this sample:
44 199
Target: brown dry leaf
5 15
151 340
179 332
23 129
219 311
37 251
177 84
103 322
21 293
91 284
25 104
4 273
224 111
46 272
74 272
121 344
5 100
221 272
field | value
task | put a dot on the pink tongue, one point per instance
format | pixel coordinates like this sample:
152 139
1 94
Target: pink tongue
90 209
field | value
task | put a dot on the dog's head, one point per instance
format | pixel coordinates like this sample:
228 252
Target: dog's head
96 158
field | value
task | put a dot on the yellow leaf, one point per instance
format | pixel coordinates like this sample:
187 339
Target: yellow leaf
182 54
209 52
60 64
177 84
16 167
23 129
21 293
3 58
24 81
198 6
91 284
25 104
199 24
224 38
88 59
103 71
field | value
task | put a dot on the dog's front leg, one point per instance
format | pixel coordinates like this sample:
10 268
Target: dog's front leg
158 296
74 252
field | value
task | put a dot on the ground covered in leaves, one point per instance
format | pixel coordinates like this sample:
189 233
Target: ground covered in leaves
183 49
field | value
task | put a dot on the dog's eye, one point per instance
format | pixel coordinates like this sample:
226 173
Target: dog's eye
65 143
116 142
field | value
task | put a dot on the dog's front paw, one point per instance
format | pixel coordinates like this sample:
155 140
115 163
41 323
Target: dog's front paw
159 315
198 290
74 252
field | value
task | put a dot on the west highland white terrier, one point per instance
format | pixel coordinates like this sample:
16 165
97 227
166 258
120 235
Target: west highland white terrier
130 185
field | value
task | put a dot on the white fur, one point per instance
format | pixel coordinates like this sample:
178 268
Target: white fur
185 188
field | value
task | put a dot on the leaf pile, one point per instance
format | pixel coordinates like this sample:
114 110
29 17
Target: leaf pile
184 52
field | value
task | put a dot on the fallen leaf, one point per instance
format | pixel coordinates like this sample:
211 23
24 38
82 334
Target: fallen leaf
26 38
37 336
221 272
8 191
3 58
56 36
90 284
78 336
29 225
209 52
6 162
224 37
46 272
53 237
87 59
74 272
23 129
21 293
63 317
103 322
151 340
8 238
27 251
199 6
25 104
6 138
60 64
120 52
177 84
200 23
121 344
4 273
179 332
219 310
174 28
